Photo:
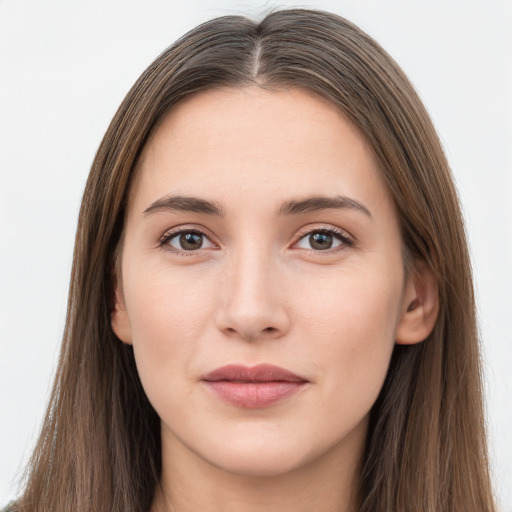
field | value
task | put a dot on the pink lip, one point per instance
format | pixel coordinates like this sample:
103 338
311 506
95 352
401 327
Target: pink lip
253 387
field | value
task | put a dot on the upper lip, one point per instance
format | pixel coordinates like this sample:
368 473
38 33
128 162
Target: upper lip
258 373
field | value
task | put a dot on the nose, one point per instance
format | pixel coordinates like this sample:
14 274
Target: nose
252 298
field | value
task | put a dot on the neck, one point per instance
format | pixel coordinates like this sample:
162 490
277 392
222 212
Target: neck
328 483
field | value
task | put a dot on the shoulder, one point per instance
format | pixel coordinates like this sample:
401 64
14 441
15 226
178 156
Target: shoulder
8 508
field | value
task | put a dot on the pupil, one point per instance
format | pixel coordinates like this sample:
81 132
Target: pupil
190 241
321 241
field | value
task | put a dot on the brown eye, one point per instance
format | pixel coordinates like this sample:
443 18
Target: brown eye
320 241
188 241
324 239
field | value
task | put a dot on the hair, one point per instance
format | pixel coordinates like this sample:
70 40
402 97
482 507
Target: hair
99 447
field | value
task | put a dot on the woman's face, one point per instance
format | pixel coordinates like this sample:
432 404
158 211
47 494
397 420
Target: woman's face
259 232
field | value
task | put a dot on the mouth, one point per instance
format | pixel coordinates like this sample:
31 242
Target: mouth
253 387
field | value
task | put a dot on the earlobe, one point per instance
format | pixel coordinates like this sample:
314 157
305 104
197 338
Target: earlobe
119 317
420 307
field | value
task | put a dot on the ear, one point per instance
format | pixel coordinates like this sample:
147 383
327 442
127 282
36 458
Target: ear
420 306
119 317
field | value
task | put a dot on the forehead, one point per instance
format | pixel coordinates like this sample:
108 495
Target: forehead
258 144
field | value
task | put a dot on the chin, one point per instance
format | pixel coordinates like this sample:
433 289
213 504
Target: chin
257 456
257 465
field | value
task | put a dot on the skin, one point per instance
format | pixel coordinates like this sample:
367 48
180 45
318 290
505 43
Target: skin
258 290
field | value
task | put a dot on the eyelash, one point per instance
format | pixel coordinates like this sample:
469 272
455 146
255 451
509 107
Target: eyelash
346 241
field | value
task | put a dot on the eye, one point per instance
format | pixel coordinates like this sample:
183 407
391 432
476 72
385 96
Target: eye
187 240
324 240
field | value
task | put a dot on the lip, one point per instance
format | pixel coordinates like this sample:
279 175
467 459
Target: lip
253 387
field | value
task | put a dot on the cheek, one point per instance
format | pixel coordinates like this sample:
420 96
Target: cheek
168 315
355 321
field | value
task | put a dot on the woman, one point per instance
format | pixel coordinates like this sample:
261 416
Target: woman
271 304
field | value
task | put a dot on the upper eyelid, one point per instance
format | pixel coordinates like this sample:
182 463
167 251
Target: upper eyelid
302 232
328 228
345 236
172 232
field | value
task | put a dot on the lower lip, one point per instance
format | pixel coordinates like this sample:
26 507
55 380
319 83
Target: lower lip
254 395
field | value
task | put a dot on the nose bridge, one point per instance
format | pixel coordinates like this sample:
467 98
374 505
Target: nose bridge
251 276
252 301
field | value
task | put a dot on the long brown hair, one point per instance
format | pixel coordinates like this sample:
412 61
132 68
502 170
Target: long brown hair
99 447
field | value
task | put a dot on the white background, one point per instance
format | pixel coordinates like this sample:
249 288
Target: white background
65 67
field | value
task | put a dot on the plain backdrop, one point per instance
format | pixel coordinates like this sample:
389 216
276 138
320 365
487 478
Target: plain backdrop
65 67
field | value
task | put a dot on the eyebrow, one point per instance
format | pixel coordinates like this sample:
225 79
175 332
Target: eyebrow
185 204
312 204
291 207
